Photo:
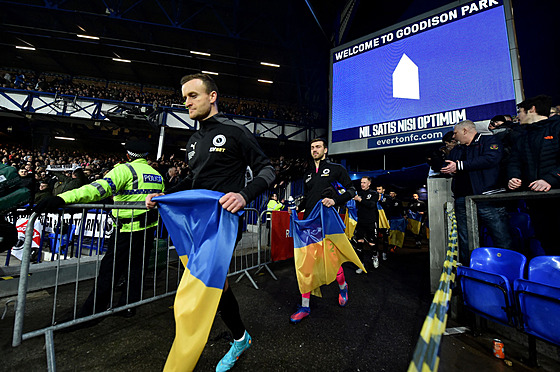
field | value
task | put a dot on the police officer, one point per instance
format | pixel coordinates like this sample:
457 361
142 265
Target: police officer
368 215
321 184
129 182
218 156
274 204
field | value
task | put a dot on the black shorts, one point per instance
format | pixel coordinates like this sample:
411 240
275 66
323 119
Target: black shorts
368 233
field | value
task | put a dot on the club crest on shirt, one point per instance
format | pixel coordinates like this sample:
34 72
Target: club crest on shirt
494 147
219 140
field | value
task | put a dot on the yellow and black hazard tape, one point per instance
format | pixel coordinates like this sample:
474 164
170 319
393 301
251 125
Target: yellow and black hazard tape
12 277
426 354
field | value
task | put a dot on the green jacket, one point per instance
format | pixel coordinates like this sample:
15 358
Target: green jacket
129 182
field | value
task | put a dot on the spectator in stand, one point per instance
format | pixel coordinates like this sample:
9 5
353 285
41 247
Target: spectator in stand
503 129
44 191
436 159
69 181
88 174
171 177
27 179
535 165
475 166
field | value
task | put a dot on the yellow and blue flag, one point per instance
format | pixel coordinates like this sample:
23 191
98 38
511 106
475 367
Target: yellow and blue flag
396 232
320 247
204 235
383 221
414 222
350 218
427 224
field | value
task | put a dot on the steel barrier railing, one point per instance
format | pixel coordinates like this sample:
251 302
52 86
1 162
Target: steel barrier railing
249 254
472 217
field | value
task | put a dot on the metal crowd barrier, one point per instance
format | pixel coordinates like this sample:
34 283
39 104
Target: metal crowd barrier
472 217
249 254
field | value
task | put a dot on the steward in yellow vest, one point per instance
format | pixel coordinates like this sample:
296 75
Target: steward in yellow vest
126 183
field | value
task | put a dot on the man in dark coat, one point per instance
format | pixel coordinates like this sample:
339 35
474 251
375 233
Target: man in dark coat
475 166
535 165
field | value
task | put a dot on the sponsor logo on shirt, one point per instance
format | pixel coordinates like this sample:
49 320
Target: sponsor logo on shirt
549 137
326 172
218 142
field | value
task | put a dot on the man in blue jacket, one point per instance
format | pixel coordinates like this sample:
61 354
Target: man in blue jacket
475 166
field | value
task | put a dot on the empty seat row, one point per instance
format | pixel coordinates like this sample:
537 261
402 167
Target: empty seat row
498 287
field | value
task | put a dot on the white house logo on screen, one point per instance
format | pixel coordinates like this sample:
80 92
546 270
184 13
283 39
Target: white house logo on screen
219 140
406 83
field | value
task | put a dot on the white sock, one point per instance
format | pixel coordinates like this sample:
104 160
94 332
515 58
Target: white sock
342 286
305 302
242 338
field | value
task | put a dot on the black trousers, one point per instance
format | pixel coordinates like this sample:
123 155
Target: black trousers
136 245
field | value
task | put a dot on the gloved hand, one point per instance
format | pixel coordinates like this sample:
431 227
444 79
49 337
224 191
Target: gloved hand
49 204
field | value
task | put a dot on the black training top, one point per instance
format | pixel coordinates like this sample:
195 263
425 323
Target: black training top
367 209
219 154
321 183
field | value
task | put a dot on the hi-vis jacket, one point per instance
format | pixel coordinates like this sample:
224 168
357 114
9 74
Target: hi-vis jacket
129 182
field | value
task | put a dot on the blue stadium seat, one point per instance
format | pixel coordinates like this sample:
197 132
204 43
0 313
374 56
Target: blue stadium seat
545 270
60 240
487 283
538 298
94 243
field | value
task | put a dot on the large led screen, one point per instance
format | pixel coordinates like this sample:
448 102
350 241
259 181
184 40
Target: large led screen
410 84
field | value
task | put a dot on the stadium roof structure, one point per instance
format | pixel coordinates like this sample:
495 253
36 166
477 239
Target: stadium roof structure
158 41
166 39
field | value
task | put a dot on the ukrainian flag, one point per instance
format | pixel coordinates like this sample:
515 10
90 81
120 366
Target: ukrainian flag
383 221
204 235
396 233
350 218
427 224
414 222
320 247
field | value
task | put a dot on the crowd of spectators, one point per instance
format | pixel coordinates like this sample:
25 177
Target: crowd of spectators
288 170
160 96
56 171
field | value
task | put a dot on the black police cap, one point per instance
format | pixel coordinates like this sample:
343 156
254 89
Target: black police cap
137 147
